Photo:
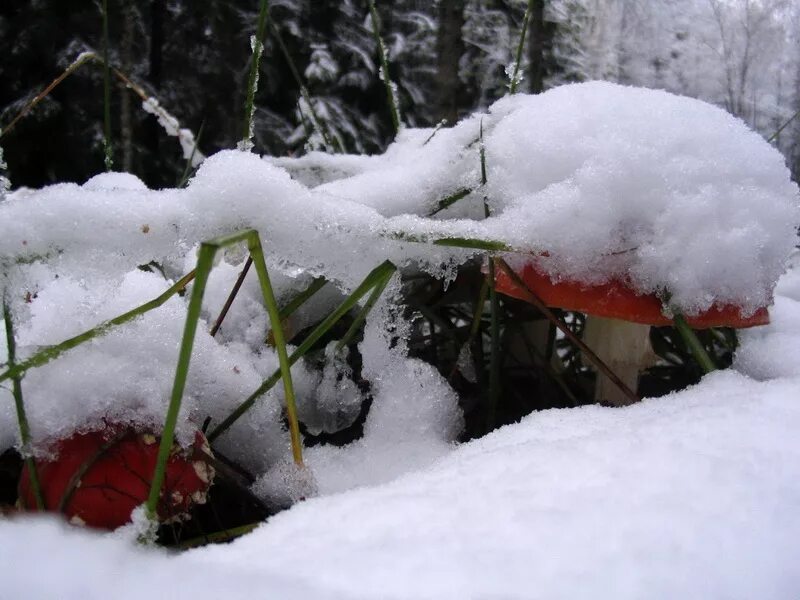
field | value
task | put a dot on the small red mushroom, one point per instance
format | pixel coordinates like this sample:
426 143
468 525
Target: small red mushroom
99 477
618 321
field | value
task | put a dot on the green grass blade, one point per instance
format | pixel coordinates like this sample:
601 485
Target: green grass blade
52 352
494 311
473 243
252 81
204 263
257 253
450 200
374 278
475 325
387 82
453 242
436 130
302 297
187 171
377 291
318 124
693 343
226 535
515 79
780 129
19 405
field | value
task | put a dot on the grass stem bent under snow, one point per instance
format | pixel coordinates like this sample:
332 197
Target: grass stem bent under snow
19 405
375 278
205 263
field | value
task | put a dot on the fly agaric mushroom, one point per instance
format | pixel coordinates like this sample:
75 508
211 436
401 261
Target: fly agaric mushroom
98 478
618 321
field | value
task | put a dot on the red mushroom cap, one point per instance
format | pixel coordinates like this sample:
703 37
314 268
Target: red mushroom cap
616 300
98 478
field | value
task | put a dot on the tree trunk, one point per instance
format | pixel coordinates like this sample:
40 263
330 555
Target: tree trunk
536 45
152 131
157 10
449 48
540 43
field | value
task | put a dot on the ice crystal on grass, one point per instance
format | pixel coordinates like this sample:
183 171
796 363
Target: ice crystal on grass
5 183
336 401
172 128
514 74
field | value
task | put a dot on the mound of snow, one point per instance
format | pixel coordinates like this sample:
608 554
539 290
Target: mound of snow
689 496
668 192
599 180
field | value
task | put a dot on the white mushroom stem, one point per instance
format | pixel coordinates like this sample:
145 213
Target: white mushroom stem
625 348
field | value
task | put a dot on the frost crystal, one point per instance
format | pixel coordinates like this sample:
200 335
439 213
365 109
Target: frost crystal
514 74
337 400
315 141
81 58
141 530
172 128
246 145
321 66
5 183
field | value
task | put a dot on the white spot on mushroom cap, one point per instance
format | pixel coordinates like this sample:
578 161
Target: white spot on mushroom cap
203 470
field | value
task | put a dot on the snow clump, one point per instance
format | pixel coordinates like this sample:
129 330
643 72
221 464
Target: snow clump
600 181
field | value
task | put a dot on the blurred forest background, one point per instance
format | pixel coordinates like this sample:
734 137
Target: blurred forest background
447 57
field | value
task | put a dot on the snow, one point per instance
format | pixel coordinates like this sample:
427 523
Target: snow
321 65
5 183
686 496
670 192
694 494
336 400
600 180
768 352
115 181
674 194
171 126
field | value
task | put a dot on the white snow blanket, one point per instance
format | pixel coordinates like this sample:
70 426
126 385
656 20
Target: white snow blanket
692 495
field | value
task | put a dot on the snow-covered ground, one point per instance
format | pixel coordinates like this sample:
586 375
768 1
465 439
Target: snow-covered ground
691 495
694 495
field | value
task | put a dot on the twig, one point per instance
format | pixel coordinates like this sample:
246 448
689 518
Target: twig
86 56
317 123
224 312
532 298
780 129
